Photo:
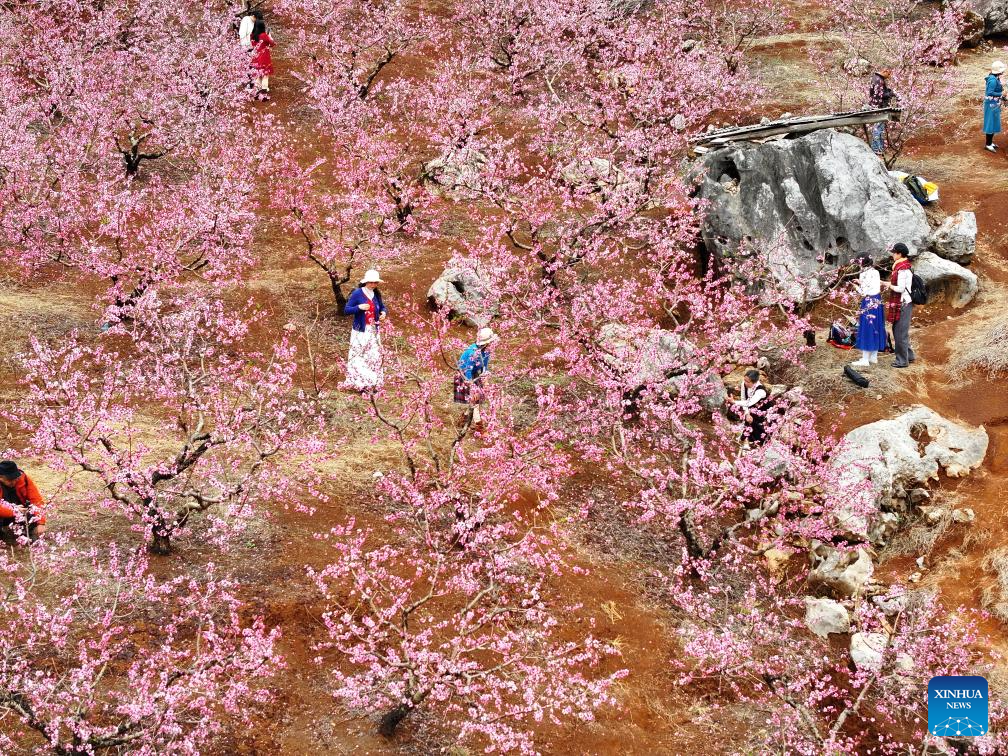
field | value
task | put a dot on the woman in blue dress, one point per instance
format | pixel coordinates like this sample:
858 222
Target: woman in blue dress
992 104
871 332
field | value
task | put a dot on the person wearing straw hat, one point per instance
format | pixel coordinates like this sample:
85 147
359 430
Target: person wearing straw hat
992 104
364 362
473 365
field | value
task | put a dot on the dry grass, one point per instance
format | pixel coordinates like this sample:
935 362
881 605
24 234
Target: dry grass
985 349
919 539
995 596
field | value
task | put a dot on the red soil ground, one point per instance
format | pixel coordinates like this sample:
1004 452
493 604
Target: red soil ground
655 715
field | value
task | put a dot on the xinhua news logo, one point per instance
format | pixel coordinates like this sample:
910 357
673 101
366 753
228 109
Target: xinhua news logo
958 706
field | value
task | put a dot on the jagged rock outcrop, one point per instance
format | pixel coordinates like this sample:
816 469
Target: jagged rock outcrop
457 172
890 457
820 201
994 14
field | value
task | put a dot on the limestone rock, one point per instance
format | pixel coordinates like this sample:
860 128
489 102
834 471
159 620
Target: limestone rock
825 616
963 516
866 649
597 174
457 171
955 238
845 573
903 452
994 14
974 27
946 280
822 197
660 357
465 293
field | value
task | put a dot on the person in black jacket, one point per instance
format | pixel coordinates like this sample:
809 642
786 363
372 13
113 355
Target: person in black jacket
880 95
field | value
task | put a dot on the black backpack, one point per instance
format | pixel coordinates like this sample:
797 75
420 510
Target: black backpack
916 189
918 291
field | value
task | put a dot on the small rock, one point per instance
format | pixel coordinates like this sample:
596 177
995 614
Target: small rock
945 279
843 572
824 616
891 604
915 577
963 516
920 562
933 515
917 495
866 649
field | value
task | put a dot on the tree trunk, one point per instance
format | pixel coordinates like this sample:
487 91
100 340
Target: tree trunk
160 544
337 290
391 720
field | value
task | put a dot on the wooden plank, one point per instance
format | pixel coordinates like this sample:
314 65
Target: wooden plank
798 126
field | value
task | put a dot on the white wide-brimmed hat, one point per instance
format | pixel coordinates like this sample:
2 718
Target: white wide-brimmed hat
371 277
997 67
486 336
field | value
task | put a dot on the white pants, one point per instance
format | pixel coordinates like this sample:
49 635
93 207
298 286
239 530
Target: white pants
364 363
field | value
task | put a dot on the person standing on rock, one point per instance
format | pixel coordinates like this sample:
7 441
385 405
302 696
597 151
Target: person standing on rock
901 305
880 95
992 105
364 363
871 333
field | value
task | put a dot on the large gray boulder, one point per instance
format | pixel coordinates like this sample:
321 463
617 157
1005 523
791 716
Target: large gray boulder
465 294
876 460
955 238
946 280
820 201
995 15
659 358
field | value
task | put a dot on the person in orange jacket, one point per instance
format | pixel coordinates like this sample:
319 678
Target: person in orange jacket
21 506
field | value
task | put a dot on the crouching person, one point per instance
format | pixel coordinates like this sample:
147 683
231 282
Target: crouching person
751 408
21 512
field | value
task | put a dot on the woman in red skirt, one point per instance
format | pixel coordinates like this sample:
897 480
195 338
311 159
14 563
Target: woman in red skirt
262 61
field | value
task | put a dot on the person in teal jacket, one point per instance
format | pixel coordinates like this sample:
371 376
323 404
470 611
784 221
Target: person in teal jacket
472 367
992 104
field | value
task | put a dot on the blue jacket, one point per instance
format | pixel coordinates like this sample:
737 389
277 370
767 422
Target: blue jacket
992 105
474 362
358 298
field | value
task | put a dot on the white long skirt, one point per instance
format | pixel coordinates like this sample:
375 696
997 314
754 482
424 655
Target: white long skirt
364 363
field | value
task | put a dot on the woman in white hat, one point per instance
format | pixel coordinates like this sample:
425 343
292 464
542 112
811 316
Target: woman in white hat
473 365
992 104
364 363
